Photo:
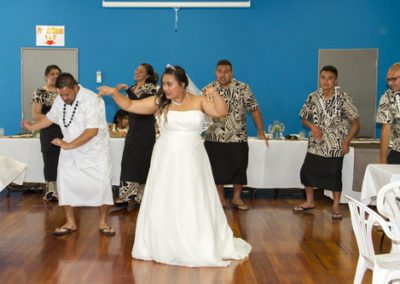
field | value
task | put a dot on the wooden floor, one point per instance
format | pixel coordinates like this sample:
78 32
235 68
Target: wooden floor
287 247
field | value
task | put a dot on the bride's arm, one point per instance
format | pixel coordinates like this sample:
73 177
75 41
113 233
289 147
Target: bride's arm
213 104
145 106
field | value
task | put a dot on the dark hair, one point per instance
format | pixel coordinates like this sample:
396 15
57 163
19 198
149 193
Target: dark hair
224 62
51 67
329 68
153 76
119 115
65 80
180 75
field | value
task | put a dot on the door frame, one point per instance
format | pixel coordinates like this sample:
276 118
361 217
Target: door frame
24 113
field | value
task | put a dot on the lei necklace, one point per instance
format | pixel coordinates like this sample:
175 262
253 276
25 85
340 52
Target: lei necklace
397 99
323 104
72 116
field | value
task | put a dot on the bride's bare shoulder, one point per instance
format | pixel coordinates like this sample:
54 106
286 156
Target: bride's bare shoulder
195 101
194 98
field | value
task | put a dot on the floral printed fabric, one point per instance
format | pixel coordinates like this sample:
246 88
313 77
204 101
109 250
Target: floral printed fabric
333 117
389 112
44 97
144 91
232 128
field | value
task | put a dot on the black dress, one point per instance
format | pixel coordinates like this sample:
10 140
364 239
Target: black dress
139 141
50 152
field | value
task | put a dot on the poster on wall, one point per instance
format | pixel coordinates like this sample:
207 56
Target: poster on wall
50 36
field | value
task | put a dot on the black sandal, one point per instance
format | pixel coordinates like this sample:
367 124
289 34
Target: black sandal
50 196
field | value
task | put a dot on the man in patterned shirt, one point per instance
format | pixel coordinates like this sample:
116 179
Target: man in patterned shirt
327 112
389 115
226 138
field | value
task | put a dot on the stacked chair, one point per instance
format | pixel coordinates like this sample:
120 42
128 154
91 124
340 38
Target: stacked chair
388 205
385 267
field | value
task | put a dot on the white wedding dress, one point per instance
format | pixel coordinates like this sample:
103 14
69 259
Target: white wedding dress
181 220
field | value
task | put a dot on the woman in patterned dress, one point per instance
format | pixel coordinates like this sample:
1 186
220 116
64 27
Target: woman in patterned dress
42 101
327 112
140 138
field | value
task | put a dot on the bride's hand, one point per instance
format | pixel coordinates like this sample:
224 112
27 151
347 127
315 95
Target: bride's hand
105 91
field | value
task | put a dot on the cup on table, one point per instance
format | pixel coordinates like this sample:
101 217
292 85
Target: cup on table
1 132
302 135
268 135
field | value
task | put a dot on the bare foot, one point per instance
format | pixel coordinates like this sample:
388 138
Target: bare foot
237 201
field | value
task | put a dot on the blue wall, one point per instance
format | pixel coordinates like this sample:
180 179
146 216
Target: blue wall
273 45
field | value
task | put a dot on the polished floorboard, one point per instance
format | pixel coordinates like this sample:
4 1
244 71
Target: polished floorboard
287 247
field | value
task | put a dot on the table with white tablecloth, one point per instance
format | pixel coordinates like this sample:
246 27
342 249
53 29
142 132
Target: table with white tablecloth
376 176
276 166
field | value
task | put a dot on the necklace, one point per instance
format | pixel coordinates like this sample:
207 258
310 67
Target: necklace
397 99
177 103
174 102
72 116
323 104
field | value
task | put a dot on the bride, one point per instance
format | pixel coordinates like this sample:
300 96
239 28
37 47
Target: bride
181 220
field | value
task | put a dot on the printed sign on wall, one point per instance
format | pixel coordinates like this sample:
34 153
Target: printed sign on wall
50 36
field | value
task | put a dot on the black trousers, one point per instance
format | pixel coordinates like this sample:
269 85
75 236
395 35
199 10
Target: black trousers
50 160
393 157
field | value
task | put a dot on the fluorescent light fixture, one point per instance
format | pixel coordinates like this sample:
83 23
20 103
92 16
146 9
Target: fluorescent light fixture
154 4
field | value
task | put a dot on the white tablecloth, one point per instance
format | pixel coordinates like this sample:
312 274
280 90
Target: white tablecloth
376 176
276 166
11 170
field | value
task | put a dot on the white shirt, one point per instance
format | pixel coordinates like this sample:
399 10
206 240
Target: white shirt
90 113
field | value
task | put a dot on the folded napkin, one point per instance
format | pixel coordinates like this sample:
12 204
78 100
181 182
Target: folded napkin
11 170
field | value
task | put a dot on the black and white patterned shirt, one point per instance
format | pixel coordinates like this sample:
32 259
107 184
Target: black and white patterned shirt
148 89
333 117
232 127
45 98
389 112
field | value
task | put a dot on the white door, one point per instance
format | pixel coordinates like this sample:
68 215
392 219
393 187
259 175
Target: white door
33 64
357 76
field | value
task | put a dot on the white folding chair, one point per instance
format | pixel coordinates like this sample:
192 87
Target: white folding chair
388 205
385 267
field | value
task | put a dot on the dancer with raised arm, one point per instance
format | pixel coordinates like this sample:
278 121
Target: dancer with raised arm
181 220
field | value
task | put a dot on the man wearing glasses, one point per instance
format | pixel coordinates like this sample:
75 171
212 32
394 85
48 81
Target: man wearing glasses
389 116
